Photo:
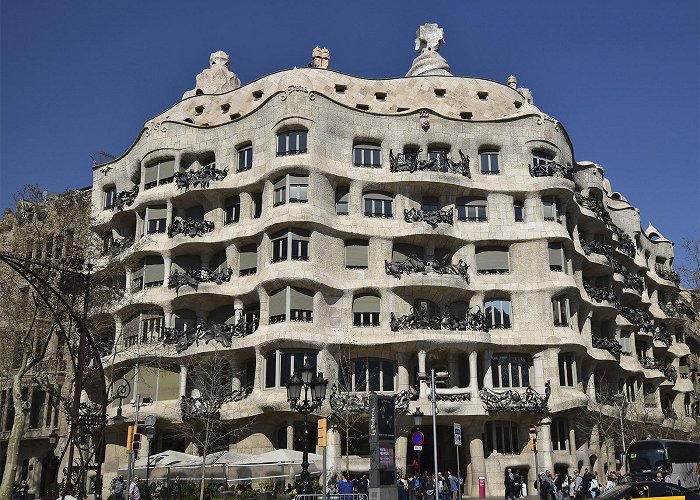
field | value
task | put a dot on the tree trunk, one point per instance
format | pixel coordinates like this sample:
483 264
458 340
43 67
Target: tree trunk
15 439
204 463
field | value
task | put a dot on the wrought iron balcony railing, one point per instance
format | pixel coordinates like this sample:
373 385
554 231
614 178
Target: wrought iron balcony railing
597 247
668 274
190 227
219 332
409 162
607 344
663 335
125 198
472 321
670 373
432 217
642 319
513 401
193 277
202 177
601 293
414 265
651 363
630 280
358 402
670 309
552 169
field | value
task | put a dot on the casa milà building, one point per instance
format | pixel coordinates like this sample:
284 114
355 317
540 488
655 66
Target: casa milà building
379 229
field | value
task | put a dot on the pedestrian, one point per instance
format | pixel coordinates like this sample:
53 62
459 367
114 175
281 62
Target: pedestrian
134 492
518 485
118 488
558 486
509 484
454 486
175 488
344 486
594 486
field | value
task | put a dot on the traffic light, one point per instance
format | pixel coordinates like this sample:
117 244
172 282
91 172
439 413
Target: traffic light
322 429
136 441
129 437
533 445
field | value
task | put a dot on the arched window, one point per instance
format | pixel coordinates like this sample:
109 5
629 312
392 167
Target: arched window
492 260
378 205
154 219
291 142
498 313
365 310
402 251
510 370
472 208
184 263
560 434
561 310
292 243
367 155
356 254
159 173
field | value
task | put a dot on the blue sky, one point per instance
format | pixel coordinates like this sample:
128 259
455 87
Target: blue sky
622 76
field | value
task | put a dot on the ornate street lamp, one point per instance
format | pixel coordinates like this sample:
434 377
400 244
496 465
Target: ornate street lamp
53 439
314 386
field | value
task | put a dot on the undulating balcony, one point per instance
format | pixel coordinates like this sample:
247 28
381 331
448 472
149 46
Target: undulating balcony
417 320
415 265
222 333
639 318
193 277
432 217
552 169
201 177
125 198
603 293
597 247
190 227
510 400
607 344
668 274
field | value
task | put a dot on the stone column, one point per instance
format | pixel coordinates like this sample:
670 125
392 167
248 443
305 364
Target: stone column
473 374
544 445
183 380
421 369
400 453
259 367
402 376
118 328
590 389
453 366
488 379
167 262
478 462
169 215
290 434
333 452
572 438
235 373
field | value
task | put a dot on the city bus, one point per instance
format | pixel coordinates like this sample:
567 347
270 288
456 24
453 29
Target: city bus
680 459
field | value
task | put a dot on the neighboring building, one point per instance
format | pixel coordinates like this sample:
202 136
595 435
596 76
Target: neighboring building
406 224
42 231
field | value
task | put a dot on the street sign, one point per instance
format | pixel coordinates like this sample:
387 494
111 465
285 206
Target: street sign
533 431
418 438
418 448
458 434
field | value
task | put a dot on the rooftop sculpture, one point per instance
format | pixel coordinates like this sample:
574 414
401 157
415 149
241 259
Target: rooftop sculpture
429 37
216 79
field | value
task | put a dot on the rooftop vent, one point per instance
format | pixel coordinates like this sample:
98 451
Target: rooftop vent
482 95
380 96
225 107
517 104
199 110
466 115
340 89
257 94
440 92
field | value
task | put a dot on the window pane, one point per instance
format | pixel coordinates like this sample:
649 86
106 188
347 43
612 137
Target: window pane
302 140
387 376
360 375
374 375
270 370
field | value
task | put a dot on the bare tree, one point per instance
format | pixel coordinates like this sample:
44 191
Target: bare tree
349 416
55 230
200 410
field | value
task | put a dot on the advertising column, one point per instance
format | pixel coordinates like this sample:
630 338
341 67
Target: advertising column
382 437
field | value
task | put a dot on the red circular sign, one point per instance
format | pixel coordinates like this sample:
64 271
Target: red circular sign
532 429
418 438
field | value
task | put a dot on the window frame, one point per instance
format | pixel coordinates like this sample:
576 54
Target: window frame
489 155
159 181
472 213
160 223
511 366
109 197
232 210
556 208
518 206
383 366
295 356
542 157
375 203
505 318
567 369
367 319
292 191
505 433
561 311
300 142
373 151
245 158
286 247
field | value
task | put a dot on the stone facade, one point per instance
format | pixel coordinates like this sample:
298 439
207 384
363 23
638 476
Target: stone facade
409 224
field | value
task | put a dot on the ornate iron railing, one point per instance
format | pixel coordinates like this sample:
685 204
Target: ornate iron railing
643 319
209 405
668 274
670 373
451 397
670 309
219 332
190 227
597 247
415 265
651 363
125 198
409 162
601 293
513 401
432 217
358 402
663 336
624 242
119 245
202 177
473 321
552 169
607 344
193 277
630 280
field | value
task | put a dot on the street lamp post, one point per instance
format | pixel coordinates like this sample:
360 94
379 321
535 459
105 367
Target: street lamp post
314 386
150 422
441 377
